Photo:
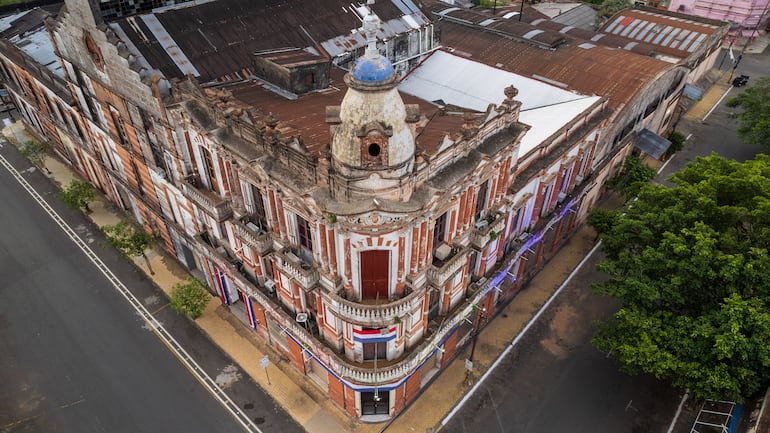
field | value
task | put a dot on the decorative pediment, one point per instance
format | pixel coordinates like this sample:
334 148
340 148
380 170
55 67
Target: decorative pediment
376 129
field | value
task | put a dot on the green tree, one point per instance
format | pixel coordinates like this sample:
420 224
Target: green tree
130 240
689 265
78 195
755 119
632 177
189 298
602 220
677 140
609 8
35 151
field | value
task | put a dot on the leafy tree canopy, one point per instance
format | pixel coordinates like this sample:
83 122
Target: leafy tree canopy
189 298
130 240
755 119
609 8
78 195
691 267
632 177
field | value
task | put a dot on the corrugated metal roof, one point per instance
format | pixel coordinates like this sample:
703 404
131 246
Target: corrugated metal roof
217 38
305 116
510 28
26 31
671 35
617 74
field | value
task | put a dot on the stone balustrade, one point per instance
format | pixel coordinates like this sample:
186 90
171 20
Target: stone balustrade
261 241
481 237
439 272
290 263
212 203
373 316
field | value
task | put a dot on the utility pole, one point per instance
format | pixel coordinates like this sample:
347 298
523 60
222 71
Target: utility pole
750 38
480 316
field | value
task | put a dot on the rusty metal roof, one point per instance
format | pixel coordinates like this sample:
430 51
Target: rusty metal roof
306 116
578 64
215 40
673 35
508 27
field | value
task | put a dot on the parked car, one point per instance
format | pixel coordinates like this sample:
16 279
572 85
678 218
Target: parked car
740 80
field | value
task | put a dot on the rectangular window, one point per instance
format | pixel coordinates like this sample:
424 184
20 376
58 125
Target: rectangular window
517 220
305 235
375 403
119 128
375 350
481 201
546 199
211 174
439 230
565 175
139 182
259 207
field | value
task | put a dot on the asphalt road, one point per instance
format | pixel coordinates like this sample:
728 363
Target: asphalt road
555 381
75 357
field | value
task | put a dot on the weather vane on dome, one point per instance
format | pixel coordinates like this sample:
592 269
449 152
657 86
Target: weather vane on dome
370 27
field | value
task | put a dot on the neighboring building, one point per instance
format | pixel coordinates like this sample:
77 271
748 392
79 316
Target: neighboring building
363 223
747 17
580 15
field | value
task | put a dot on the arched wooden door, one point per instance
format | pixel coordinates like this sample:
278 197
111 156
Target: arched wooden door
375 268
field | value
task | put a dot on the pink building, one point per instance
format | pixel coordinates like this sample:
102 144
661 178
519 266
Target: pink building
748 17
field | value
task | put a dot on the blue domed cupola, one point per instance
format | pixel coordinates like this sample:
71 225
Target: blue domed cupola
366 69
373 68
373 135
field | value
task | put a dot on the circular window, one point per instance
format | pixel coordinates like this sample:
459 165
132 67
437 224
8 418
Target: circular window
374 149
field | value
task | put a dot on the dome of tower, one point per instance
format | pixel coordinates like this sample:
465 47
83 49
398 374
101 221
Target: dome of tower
372 70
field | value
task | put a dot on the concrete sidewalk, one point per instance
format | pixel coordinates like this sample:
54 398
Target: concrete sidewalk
297 394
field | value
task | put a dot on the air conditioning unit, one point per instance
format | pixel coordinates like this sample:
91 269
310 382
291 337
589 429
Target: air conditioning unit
270 286
523 236
481 224
254 227
442 252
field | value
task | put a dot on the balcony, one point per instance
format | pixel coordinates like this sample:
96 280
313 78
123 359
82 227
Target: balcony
291 263
482 232
253 236
441 270
369 315
213 204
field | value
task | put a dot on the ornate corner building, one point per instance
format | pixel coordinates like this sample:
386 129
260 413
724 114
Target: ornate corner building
364 200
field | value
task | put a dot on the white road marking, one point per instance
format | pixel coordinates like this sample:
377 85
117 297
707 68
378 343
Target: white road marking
150 320
715 105
518 337
678 411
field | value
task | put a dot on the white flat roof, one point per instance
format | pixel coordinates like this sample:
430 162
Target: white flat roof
469 84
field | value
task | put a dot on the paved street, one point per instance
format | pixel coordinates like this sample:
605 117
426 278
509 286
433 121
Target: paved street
555 381
75 357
